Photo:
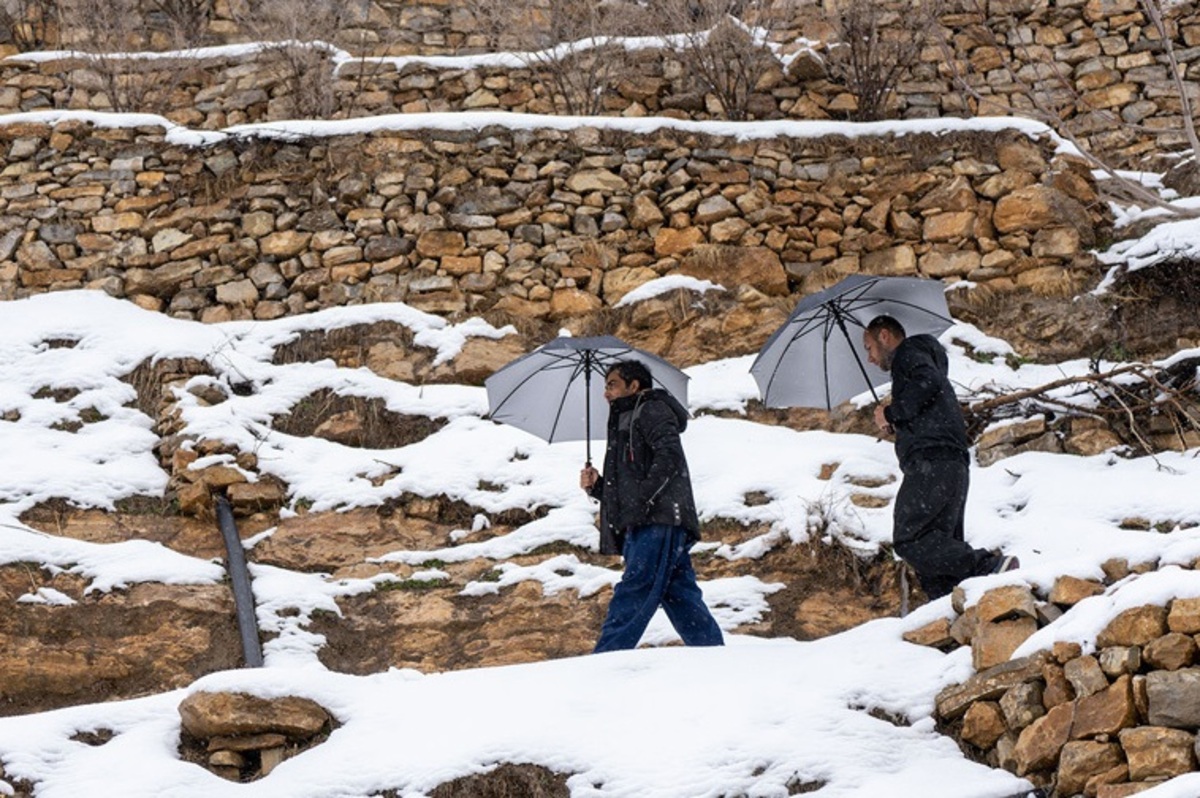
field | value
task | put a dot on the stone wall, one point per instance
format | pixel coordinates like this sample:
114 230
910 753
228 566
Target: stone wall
540 224
1127 106
1110 723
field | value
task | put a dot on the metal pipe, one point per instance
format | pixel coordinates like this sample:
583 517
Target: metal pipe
239 578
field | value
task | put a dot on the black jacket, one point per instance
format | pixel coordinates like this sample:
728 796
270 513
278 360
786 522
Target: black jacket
924 411
645 479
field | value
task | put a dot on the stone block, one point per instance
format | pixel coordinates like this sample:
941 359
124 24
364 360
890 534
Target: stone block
1022 705
988 685
1170 652
1173 698
1134 627
995 642
1117 660
1070 590
983 724
1083 760
1040 743
1085 675
1184 616
1155 752
1105 712
934 634
1007 602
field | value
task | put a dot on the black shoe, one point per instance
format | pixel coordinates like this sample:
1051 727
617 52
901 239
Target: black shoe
1007 563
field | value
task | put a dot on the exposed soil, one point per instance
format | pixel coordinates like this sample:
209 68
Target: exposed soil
507 781
373 427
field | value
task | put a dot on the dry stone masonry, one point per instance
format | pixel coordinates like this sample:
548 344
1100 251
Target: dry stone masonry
534 224
1105 724
1125 104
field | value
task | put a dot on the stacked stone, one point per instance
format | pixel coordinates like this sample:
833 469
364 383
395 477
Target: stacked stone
1104 49
244 737
537 224
1104 725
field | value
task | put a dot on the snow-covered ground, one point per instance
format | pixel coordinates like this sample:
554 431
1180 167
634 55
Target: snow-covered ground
750 718
747 719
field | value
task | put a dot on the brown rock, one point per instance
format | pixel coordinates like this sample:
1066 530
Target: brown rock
758 267
481 357
1106 712
566 302
1039 745
948 226
645 212
1085 676
590 180
995 642
1134 627
898 261
285 244
620 281
1170 652
253 742
328 541
1083 760
1154 752
1035 207
983 724
1117 660
440 243
988 685
672 243
1184 616
1022 705
253 497
963 628
1070 590
934 634
207 715
1123 790
1003 603
1064 651
1058 689
1115 775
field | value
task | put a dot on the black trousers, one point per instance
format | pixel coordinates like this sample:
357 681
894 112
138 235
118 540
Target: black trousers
928 526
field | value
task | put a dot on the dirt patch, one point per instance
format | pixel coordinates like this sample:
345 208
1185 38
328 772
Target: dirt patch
149 639
150 376
506 781
348 346
354 421
1154 308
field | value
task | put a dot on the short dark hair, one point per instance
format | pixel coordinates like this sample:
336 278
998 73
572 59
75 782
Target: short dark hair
886 323
631 370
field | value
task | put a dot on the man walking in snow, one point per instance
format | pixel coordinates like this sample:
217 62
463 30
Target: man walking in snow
932 447
647 513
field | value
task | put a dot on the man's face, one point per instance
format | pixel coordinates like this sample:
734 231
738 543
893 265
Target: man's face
879 348
616 388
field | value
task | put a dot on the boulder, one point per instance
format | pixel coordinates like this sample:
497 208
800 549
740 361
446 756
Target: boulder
205 715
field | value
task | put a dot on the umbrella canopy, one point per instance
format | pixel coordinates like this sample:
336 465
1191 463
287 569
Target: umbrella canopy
816 358
551 392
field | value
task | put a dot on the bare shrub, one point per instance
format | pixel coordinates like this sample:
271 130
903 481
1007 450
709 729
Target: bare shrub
177 24
107 31
293 33
571 44
875 48
729 57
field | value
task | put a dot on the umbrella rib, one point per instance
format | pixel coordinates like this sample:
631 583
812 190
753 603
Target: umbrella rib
907 304
810 323
562 401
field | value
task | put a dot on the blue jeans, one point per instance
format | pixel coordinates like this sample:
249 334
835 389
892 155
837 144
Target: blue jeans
658 571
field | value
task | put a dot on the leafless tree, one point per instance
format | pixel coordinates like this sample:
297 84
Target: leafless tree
111 33
182 23
294 33
1047 91
723 44
573 45
875 48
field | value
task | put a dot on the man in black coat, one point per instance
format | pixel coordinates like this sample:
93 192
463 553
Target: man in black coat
647 513
932 447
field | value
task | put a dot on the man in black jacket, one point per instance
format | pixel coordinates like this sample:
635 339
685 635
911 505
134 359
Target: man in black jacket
647 513
932 447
